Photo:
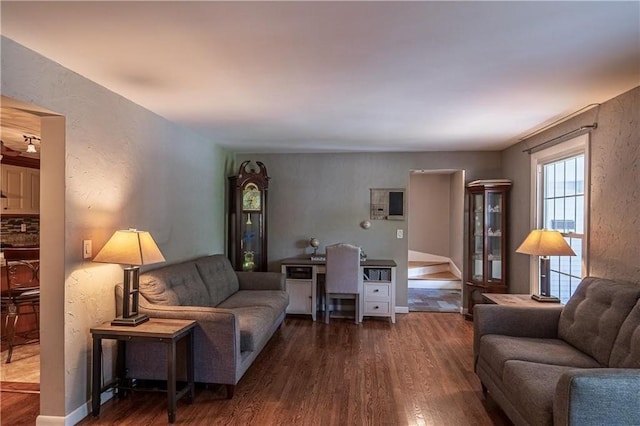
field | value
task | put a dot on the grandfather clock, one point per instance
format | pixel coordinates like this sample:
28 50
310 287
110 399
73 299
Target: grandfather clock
248 217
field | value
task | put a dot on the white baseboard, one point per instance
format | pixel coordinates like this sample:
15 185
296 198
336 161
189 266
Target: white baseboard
402 309
50 421
76 416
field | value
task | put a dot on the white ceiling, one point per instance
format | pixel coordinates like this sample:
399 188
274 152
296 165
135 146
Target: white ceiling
345 76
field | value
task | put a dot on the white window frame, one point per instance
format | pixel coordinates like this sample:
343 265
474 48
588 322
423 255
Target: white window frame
575 146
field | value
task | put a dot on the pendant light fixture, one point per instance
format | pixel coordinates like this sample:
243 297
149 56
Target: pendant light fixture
31 148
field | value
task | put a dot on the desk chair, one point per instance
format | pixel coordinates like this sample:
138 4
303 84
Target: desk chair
23 291
342 279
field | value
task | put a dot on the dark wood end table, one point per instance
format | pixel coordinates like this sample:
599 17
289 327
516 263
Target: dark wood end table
523 300
168 331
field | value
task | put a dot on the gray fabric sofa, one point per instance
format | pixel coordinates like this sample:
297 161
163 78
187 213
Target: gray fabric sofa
237 313
574 365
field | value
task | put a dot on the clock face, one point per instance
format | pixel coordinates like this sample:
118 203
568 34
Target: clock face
251 198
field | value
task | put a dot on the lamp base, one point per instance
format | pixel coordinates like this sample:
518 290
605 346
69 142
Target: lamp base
130 322
546 299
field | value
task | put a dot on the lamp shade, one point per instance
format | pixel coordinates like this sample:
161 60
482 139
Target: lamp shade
544 242
131 247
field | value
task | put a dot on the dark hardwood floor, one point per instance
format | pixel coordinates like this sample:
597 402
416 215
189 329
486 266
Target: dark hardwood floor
416 372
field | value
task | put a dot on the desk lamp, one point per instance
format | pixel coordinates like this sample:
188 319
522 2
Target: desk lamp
133 248
545 243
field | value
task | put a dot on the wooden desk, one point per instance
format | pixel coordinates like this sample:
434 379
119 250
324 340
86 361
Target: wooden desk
168 331
523 300
378 286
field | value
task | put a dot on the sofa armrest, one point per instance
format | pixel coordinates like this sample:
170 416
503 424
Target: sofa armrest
220 326
214 321
261 280
598 396
198 313
514 321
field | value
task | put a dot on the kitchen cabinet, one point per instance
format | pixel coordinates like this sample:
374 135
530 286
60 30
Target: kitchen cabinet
21 187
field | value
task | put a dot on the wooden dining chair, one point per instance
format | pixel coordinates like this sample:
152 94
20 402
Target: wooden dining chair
22 295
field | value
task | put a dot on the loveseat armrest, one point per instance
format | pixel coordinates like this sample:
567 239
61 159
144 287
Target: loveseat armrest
514 321
598 396
260 280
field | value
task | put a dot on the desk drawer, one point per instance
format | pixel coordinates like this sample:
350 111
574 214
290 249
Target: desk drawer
376 291
299 272
376 308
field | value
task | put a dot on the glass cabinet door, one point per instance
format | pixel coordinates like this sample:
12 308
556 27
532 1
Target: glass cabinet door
252 241
494 235
477 263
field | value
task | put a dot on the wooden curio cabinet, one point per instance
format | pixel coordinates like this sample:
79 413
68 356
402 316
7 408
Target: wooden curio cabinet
488 236
248 217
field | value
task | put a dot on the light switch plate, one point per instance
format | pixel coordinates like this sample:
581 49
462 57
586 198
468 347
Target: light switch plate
399 234
86 249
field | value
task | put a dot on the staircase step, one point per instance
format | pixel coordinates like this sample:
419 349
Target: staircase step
437 276
435 284
423 268
422 263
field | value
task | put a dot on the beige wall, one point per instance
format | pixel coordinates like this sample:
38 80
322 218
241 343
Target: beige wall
327 196
614 192
122 166
430 213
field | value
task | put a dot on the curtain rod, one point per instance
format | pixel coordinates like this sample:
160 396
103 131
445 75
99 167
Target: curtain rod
560 120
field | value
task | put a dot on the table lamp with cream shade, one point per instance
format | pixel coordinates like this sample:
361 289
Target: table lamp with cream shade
545 243
133 248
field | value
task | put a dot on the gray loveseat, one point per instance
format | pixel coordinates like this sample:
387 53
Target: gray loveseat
577 365
237 313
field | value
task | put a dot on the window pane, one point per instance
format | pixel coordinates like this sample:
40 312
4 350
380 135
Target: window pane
548 214
570 177
549 181
580 214
580 174
560 180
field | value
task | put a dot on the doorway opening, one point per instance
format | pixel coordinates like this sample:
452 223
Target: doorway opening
436 240
20 239
51 236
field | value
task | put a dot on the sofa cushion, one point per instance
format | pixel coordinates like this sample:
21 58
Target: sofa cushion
218 276
255 325
626 349
592 317
497 350
274 299
532 388
178 284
